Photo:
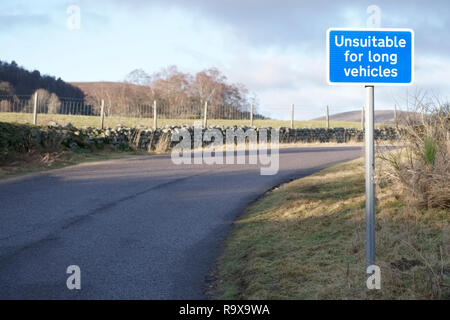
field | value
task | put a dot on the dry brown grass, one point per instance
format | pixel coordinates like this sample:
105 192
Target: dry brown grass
422 167
306 240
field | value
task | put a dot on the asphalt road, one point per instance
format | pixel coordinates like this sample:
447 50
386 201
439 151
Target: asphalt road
140 228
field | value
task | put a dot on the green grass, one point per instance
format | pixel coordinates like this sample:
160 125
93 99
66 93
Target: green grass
306 240
93 121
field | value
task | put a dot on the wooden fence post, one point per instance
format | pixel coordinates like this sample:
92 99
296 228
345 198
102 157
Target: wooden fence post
292 116
395 115
155 116
422 112
35 109
362 118
102 115
205 116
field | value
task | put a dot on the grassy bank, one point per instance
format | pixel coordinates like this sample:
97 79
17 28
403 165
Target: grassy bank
36 161
306 240
93 121
25 148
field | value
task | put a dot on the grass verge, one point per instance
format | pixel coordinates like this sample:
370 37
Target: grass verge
306 240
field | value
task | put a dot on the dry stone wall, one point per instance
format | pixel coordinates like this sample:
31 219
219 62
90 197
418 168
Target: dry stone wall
21 138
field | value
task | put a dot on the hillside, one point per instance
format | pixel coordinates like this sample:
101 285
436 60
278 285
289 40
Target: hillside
95 86
381 116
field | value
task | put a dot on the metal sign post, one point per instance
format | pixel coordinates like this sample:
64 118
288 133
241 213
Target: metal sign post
370 56
370 169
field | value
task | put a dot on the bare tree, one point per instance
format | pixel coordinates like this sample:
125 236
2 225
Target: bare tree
139 77
54 104
172 88
178 94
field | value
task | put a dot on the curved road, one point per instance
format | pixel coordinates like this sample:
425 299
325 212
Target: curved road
140 228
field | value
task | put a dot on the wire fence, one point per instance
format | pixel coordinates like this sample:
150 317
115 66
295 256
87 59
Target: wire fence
42 109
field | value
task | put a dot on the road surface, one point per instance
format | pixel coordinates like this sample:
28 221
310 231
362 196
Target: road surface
140 228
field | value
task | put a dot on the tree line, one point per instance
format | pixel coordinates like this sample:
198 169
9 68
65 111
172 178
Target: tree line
15 80
178 94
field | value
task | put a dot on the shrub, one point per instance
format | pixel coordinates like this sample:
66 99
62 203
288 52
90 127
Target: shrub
421 166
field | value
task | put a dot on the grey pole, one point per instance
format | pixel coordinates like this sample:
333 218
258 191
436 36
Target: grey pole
35 109
155 116
292 116
370 167
327 117
251 115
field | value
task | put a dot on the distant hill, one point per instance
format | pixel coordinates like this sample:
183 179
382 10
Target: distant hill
381 116
92 88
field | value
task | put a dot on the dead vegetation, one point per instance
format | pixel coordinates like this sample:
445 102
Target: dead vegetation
306 240
421 169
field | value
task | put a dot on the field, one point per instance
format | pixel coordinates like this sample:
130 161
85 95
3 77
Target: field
306 240
94 121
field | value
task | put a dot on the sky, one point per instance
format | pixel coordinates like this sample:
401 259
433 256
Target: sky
276 48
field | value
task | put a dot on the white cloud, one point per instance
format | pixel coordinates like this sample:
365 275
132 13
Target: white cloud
275 48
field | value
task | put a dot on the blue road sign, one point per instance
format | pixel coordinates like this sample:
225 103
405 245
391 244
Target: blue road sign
370 56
